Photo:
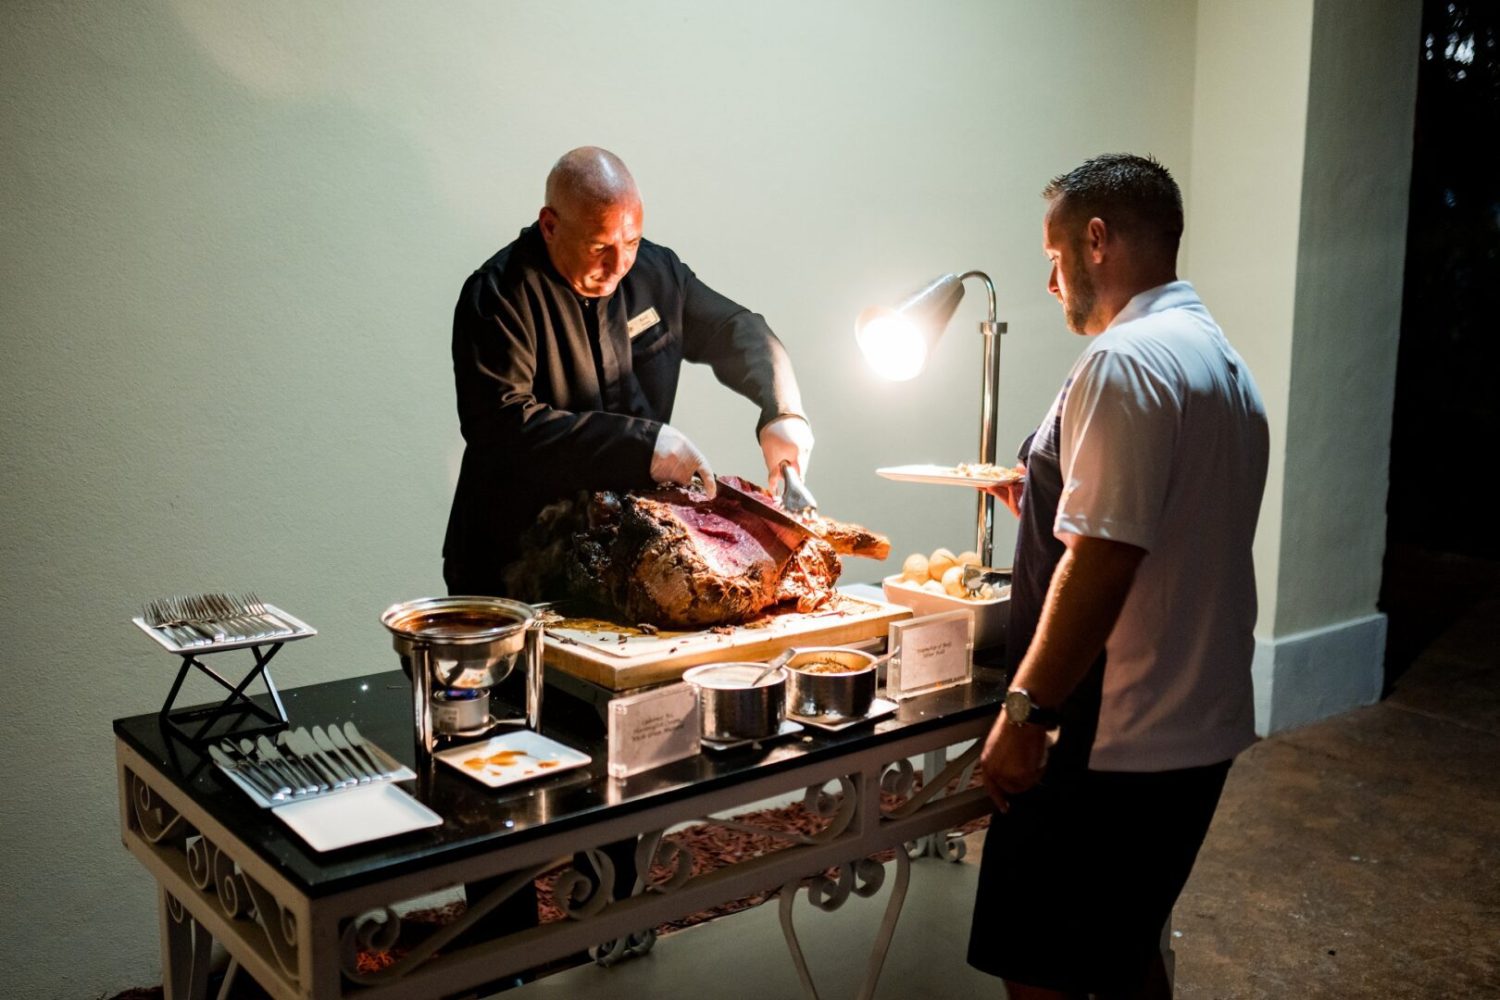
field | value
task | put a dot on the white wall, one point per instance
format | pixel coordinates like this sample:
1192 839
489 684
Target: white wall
1302 136
1355 188
232 238
1244 212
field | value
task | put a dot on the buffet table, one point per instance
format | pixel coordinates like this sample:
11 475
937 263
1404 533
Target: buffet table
298 920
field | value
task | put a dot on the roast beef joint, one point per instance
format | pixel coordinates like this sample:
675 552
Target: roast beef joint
672 558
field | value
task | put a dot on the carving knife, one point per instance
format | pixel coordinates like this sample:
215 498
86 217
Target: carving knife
786 529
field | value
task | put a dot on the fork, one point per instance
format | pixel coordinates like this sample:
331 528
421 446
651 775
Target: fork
151 614
234 611
208 618
253 605
169 616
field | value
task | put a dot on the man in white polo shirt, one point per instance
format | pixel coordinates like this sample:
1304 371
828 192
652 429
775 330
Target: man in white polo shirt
1133 605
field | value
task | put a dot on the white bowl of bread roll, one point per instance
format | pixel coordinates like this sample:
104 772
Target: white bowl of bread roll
930 583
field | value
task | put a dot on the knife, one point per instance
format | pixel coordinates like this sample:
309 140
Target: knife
265 764
378 769
358 775
292 769
787 529
251 774
358 743
300 743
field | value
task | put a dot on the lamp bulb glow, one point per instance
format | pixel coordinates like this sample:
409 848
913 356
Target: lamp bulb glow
893 346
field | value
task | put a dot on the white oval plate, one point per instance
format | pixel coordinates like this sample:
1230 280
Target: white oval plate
948 475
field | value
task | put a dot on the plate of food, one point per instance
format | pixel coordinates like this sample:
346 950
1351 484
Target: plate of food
970 474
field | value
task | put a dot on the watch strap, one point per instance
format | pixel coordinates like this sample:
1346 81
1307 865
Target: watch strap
1034 714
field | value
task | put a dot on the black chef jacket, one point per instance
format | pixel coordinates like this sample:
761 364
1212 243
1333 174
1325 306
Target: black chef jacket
558 393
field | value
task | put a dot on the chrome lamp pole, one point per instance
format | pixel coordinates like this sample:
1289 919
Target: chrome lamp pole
897 341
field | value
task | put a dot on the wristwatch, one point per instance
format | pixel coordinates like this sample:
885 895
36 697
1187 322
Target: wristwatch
1023 711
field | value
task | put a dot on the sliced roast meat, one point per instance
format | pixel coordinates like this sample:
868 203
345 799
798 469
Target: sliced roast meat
671 557
810 576
848 539
684 562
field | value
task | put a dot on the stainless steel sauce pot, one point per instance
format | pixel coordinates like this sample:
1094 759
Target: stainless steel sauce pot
733 710
846 694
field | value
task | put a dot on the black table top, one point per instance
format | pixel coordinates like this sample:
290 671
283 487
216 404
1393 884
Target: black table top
478 819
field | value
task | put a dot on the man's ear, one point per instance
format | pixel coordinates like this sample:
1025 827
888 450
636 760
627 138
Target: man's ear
1096 235
547 219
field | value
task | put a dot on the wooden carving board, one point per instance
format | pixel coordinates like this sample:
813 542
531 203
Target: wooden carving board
620 657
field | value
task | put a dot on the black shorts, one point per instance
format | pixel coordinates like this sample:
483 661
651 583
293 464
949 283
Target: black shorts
1080 876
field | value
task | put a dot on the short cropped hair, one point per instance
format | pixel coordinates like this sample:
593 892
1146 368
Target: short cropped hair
1134 194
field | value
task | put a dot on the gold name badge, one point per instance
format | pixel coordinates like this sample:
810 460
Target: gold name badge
641 323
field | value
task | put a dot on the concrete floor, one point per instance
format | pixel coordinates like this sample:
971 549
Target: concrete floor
1358 857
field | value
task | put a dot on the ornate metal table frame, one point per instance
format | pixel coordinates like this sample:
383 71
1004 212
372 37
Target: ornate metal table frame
213 887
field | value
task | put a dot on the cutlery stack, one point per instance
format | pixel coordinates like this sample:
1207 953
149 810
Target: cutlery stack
213 620
300 762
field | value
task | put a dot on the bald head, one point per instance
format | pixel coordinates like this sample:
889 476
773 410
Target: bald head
592 220
589 177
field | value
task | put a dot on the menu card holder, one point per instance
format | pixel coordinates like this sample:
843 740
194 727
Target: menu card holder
930 653
653 728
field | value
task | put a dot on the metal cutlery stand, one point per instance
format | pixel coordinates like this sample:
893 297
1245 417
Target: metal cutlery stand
222 629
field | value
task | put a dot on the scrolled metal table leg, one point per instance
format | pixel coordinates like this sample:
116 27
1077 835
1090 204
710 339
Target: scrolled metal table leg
944 844
862 878
186 949
231 973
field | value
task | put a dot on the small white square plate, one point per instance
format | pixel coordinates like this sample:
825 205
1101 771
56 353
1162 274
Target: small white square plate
879 707
370 812
512 757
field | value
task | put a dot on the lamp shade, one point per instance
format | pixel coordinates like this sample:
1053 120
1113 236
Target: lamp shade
896 340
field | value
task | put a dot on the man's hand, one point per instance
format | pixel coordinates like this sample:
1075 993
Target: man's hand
1010 493
785 439
1012 760
675 459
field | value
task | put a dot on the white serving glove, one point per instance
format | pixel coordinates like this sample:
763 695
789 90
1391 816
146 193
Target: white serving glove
785 439
675 459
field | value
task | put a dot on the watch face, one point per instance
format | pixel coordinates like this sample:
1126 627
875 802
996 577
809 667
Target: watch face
1017 706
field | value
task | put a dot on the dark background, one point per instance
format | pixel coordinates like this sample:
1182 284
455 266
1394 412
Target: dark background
1443 545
